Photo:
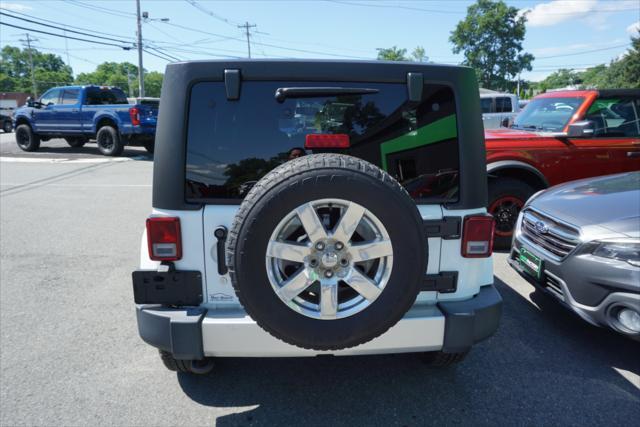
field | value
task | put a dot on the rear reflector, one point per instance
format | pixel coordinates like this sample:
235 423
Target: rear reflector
134 113
477 236
164 239
326 140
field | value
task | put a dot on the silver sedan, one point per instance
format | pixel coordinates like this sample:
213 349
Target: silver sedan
580 242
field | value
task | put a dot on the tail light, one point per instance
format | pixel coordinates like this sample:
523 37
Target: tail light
134 113
477 236
164 238
326 140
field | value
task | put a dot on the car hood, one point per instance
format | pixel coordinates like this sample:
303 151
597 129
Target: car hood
601 205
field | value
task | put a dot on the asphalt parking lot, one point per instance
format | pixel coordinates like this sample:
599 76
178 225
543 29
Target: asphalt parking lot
70 354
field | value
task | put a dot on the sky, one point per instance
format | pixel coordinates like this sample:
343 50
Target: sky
560 33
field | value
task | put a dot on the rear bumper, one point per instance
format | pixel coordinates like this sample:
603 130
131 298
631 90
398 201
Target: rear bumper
195 333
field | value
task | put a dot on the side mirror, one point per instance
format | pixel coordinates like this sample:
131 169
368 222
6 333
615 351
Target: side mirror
33 103
505 122
583 129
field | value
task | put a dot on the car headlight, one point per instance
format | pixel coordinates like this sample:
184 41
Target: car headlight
623 250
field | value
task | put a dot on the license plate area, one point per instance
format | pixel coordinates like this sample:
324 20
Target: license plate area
530 263
170 287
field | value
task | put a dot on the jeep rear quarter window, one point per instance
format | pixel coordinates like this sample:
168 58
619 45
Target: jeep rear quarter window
231 144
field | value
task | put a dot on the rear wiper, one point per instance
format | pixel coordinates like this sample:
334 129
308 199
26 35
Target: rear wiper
311 92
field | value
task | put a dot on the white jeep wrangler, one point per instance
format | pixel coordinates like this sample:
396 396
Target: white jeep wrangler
303 208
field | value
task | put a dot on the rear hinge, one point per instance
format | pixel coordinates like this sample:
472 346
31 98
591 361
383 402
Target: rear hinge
445 282
232 84
447 228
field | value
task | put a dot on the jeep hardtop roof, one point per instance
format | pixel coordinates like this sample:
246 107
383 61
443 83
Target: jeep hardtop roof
171 135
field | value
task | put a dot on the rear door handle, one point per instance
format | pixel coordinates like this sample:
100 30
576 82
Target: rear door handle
633 153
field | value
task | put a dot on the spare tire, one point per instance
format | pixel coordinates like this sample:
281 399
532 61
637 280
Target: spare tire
327 252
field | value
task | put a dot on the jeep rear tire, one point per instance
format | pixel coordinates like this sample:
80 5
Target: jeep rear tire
7 126
149 146
327 252
109 142
199 367
26 139
439 359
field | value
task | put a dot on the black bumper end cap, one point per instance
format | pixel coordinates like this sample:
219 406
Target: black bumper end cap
178 331
468 322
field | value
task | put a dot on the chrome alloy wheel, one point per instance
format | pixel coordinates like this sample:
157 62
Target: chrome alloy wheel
329 259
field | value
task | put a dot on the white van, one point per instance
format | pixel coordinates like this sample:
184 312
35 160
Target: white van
497 106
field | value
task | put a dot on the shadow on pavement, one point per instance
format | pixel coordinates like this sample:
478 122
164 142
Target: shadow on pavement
542 366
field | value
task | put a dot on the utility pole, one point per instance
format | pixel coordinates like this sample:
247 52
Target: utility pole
28 41
140 69
247 27
66 47
128 81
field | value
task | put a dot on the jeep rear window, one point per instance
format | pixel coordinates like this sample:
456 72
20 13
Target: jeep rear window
231 144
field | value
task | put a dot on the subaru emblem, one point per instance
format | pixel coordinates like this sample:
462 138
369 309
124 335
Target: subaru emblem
541 227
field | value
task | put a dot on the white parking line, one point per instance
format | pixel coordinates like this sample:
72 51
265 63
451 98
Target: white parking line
68 161
15 184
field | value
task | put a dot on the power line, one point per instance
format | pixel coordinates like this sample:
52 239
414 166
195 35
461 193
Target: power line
162 52
94 7
212 14
202 52
68 37
310 51
462 12
584 51
202 32
387 6
158 56
71 26
61 28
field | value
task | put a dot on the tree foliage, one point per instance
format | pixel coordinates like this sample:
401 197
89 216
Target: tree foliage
622 73
392 54
560 79
490 37
395 53
15 75
419 54
120 74
123 75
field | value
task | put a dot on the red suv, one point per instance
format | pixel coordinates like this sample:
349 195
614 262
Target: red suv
560 136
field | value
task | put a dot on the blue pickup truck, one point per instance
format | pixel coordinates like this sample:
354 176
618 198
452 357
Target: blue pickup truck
81 113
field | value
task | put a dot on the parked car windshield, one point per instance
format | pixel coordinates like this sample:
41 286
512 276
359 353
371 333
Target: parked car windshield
547 114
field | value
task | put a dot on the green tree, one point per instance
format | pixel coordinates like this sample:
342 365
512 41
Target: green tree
561 78
120 74
490 38
15 75
153 84
624 73
594 77
392 54
123 75
419 54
